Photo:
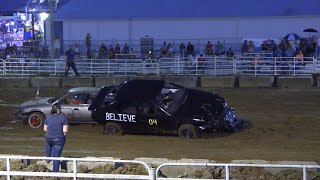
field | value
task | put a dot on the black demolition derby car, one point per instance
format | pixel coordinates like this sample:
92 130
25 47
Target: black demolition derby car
156 106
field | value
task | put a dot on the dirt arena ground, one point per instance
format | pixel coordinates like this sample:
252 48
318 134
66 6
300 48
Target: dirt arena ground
285 126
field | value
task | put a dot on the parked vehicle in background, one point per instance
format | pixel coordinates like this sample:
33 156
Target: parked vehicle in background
74 104
156 106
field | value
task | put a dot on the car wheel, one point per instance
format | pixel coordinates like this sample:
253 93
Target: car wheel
112 129
188 131
36 120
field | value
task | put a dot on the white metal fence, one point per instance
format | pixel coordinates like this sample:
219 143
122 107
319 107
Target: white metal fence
212 66
150 173
227 167
74 173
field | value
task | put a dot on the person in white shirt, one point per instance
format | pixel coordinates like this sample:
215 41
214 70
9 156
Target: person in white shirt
57 48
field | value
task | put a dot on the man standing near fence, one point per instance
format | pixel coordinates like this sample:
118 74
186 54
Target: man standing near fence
70 55
57 48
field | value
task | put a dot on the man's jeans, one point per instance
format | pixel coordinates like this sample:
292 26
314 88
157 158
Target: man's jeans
73 66
54 148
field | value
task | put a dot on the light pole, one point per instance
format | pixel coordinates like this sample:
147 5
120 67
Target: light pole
51 29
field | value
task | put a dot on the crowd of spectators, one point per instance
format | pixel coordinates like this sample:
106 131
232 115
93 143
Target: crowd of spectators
13 51
305 47
284 48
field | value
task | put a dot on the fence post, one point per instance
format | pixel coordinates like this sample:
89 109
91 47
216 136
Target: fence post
215 66
91 66
153 174
3 67
255 60
227 172
74 169
314 65
294 66
8 168
108 68
178 66
143 67
55 66
22 69
304 169
125 68
275 66
234 60
197 66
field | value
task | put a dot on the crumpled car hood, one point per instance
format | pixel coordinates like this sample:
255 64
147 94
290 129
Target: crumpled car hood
36 101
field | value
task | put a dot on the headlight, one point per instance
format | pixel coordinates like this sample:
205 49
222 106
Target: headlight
230 115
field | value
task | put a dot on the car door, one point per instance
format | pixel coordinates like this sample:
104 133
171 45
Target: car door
155 119
84 113
70 106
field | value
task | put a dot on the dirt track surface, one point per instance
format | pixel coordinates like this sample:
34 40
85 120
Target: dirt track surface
285 126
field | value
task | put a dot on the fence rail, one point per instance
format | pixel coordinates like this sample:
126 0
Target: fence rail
151 174
74 174
198 66
228 166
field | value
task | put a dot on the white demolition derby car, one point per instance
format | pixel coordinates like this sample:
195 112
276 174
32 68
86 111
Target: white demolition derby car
74 104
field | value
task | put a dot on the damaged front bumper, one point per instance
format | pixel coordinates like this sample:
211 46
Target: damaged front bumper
20 116
228 122
232 123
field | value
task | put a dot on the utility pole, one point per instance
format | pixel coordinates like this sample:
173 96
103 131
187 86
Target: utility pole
51 29
33 31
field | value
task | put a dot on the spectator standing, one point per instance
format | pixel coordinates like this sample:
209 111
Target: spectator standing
251 47
70 55
315 44
117 50
190 49
111 52
7 50
182 49
209 49
219 48
56 128
125 49
76 49
170 51
164 49
15 50
282 46
273 47
244 48
88 41
57 47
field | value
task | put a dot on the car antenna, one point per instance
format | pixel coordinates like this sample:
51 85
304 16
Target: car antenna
37 93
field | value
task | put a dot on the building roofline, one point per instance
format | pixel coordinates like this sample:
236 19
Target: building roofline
204 18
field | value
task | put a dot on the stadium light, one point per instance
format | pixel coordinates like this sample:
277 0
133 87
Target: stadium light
43 16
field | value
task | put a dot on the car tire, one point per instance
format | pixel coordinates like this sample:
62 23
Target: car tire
188 131
36 120
113 129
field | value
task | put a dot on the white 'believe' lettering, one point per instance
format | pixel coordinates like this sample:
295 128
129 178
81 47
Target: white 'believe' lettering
120 117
